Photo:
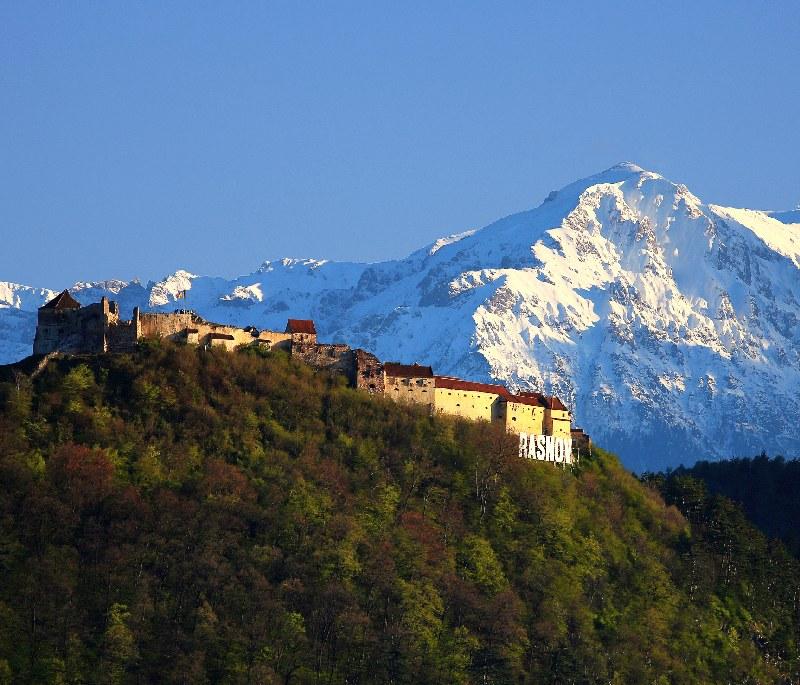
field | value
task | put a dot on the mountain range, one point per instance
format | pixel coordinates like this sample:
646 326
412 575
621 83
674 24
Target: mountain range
670 326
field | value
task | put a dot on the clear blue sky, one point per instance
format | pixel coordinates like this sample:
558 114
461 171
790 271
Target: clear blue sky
137 138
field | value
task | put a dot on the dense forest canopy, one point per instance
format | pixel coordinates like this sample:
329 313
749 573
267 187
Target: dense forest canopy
767 490
187 516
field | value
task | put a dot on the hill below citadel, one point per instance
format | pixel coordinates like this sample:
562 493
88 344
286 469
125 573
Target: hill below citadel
176 514
670 326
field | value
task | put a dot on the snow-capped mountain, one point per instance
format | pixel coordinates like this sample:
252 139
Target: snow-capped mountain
671 327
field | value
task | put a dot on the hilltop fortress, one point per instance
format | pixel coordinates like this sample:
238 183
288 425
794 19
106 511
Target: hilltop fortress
543 423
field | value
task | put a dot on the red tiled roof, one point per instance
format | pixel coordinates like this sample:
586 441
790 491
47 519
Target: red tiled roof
529 401
555 403
534 395
221 336
537 398
300 326
534 399
448 382
397 370
63 301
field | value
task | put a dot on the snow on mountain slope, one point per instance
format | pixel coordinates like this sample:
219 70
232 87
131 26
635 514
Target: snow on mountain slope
782 237
671 327
18 304
13 295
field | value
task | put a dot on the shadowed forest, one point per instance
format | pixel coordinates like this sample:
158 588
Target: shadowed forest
767 490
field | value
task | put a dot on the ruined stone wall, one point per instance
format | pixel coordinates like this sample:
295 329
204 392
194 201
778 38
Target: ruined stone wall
227 342
188 327
303 339
337 358
580 439
97 328
207 331
275 340
368 372
165 325
362 369
121 336
241 336
70 330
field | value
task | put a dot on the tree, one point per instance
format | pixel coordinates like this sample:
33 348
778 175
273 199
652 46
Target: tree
119 646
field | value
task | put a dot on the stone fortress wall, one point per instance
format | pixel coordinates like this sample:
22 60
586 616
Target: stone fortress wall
66 326
187 326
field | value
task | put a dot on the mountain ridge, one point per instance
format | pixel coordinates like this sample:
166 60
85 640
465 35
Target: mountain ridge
661 320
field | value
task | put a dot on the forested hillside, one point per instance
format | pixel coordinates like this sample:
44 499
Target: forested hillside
767 490
181 516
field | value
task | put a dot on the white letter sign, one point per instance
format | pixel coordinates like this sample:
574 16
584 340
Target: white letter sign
546 448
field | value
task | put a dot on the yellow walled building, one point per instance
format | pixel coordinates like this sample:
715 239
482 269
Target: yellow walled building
477 401
553 418
557 419
527 412
524 415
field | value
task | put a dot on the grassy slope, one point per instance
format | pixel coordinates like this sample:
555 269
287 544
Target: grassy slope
187 516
